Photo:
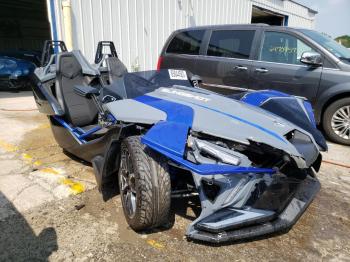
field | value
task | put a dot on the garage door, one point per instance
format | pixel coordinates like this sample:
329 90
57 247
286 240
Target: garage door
23 24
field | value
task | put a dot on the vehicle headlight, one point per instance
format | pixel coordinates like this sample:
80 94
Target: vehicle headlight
202 151
17 73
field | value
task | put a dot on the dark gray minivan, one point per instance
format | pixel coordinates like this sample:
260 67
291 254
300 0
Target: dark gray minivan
301 62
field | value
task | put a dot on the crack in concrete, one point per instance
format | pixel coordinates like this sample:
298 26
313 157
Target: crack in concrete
22 190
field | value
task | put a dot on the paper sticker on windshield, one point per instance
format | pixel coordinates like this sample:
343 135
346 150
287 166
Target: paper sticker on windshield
177 74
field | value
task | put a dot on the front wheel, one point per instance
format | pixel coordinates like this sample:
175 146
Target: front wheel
336 121
144 184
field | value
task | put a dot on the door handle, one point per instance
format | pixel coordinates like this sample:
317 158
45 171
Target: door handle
243 68
261 70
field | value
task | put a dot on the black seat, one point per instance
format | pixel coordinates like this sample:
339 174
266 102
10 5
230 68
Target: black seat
73 69
116 68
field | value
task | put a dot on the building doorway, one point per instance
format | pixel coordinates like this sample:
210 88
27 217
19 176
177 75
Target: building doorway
24 26
264 16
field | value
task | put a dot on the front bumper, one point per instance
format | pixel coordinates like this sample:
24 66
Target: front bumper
14 82
281 221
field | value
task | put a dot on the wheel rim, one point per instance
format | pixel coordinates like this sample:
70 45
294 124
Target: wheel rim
127 183
341 122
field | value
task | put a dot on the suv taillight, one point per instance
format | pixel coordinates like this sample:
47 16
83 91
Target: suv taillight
159 63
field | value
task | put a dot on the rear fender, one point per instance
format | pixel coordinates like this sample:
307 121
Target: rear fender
328 96
106 165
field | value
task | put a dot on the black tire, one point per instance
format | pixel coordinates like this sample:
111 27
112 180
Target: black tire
327 121
148 183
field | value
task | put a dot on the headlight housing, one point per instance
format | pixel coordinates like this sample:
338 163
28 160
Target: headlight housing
202 151
17 73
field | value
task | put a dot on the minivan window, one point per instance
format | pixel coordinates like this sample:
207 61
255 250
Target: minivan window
282 48
231 43
328 43
186 43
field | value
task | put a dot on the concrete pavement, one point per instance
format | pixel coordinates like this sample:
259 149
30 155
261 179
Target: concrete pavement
27 178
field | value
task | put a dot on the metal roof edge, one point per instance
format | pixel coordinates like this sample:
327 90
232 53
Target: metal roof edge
310 9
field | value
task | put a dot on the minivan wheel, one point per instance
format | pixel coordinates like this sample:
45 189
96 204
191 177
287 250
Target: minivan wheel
336 121
144 184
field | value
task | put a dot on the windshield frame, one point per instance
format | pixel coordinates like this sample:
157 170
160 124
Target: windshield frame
135 84
331 46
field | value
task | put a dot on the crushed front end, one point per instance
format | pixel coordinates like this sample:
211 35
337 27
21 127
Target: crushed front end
266 198
252 168
250 206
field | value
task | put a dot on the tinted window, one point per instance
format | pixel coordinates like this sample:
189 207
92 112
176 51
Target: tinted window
228 43
186 43
282 48
332 46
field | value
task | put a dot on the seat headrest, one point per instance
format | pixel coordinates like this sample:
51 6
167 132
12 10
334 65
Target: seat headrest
115 67
69 67
79 62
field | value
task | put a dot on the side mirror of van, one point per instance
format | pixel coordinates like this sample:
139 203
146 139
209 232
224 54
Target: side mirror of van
311 59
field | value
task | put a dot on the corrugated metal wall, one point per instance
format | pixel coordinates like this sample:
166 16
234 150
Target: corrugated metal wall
139 28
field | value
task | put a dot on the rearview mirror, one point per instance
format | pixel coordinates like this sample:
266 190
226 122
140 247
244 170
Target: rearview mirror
311 58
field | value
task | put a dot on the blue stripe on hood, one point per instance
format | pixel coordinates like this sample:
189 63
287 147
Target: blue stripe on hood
181 113
169 138
170 135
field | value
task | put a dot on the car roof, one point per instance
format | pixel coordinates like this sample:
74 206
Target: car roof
233 26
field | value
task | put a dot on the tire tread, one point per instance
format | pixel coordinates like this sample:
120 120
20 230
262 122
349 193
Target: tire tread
153 186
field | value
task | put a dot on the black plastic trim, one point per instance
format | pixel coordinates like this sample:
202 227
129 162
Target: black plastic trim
304 195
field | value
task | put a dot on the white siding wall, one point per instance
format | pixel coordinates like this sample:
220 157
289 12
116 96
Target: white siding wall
299 16
139 28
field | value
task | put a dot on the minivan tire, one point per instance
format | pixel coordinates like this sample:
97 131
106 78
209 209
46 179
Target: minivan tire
149 185
327 121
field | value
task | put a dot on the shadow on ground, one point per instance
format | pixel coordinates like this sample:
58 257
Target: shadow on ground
8 93
18 242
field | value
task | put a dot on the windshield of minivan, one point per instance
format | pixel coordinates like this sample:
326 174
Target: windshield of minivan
332 46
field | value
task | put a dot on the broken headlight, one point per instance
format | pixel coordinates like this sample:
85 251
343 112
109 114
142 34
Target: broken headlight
202 151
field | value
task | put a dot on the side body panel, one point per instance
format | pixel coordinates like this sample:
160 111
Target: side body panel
296 80
293 79
181 61
335 84
86 151
221 74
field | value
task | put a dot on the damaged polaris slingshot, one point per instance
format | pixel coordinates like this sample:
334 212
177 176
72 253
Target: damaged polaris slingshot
251 159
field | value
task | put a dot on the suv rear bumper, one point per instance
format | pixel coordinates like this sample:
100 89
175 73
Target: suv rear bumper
13 82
